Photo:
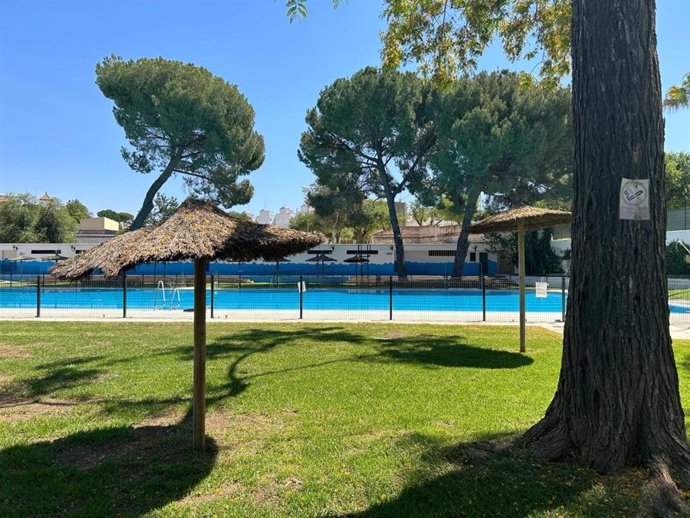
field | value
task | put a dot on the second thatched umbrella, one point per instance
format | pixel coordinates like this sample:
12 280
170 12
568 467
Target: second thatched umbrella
518 220
202 232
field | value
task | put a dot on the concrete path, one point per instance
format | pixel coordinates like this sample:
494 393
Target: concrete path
678 332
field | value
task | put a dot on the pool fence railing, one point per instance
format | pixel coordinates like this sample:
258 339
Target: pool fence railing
302 297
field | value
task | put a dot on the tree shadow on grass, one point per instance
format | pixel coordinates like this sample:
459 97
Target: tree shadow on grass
490 481
52 378
448 352
120 471
243 345
56 376
430 351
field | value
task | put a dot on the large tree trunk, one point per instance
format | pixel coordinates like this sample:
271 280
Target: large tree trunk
617 401
397 236
147 206
463 238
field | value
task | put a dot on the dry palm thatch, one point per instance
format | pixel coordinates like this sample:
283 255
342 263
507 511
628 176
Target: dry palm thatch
531 217
197 230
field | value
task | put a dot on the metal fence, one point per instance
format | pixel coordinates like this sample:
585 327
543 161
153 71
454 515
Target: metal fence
307 297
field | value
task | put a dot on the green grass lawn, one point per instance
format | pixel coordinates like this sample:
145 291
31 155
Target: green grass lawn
303 420
682 293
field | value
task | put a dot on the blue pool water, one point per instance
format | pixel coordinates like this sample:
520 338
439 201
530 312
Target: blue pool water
313 299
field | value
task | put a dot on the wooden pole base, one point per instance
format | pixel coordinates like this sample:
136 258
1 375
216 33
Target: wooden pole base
521 270
199 391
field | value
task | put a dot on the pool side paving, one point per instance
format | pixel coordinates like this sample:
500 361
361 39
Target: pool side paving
680 328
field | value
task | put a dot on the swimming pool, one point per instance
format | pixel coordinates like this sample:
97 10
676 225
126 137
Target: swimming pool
282 299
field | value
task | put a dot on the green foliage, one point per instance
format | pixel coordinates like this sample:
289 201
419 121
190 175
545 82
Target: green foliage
447 36
24 220
77 210
678 96
108 213
506 140
678 258
540 258
332 226
54 223
180 119
307 222
424 215
370 134
123 218
333 209
163 207
18 215
297 9
501 135
373 217
336 222
242 216
677 180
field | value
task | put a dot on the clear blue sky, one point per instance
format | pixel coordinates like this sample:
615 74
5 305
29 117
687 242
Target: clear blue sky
57 132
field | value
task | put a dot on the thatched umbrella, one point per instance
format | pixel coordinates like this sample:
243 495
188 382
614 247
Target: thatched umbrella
518 220
357 258
321 259
21 259
56 258
200 231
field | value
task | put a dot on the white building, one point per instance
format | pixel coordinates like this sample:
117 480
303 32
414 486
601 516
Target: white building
282 219
96 230
265 217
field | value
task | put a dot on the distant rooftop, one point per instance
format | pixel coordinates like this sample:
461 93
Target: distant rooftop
416 234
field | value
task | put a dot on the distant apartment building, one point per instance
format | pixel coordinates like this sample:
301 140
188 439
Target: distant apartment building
283 218
265 217
96 230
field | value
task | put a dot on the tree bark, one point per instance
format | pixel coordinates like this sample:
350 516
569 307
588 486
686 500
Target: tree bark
463 238
147 206
397 236
617 401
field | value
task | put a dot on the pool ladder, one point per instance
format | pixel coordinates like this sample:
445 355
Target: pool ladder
172 290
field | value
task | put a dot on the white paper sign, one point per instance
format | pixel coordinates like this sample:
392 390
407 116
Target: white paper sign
541 289
634 199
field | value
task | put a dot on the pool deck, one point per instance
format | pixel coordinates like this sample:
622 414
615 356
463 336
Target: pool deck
680 325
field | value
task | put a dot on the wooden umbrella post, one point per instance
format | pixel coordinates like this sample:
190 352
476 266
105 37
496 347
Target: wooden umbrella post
197 228
521 270
199 396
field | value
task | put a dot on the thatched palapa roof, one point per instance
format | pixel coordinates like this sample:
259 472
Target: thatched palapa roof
531 217
197 230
